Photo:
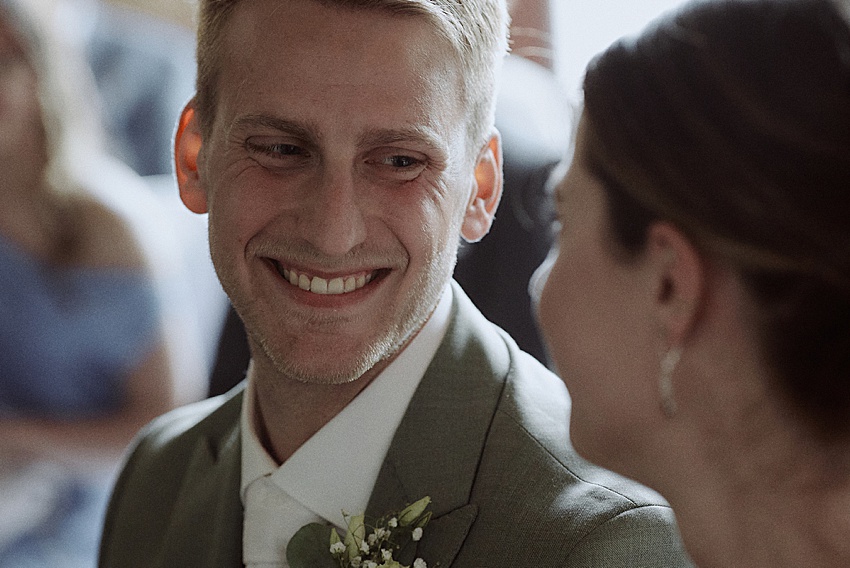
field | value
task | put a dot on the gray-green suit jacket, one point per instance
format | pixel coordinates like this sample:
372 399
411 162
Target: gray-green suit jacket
485 436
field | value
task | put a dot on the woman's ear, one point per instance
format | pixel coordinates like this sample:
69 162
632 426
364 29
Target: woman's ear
679 273
487 192
187 148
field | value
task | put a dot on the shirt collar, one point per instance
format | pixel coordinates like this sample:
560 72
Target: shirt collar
336 469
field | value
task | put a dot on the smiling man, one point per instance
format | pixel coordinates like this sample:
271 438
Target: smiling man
342 149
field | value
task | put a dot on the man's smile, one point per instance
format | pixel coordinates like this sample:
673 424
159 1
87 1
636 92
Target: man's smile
326 286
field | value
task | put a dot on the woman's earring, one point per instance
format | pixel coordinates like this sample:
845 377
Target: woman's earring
665 381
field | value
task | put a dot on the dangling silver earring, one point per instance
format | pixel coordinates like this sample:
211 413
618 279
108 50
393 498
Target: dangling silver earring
665 381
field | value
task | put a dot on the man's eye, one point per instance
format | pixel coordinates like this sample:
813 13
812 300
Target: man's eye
397 167
402 161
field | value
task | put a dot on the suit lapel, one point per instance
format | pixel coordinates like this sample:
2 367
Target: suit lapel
438 445
206 526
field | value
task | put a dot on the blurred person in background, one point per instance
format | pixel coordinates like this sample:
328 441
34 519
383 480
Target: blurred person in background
84 360
144 69
699 305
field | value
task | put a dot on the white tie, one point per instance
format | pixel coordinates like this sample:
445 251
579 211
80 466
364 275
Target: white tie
272 517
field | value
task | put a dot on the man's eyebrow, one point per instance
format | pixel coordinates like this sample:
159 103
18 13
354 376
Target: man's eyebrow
378 137
415 134
274 123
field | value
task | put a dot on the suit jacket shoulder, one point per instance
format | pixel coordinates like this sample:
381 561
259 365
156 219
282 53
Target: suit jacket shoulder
486 436
558 509
176 502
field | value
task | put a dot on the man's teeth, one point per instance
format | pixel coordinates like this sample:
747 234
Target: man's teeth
318 285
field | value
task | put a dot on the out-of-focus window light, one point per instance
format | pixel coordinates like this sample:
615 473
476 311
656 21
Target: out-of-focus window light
583 28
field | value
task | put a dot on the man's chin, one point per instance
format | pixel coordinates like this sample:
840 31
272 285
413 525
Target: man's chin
324 360
319 370
326 377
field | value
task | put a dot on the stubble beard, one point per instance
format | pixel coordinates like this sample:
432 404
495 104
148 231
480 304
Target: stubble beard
393 338
383 348
422 298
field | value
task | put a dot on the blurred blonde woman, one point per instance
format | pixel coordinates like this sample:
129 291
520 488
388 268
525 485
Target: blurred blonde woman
699 306
83 362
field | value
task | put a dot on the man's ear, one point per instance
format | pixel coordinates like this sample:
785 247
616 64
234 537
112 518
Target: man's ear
486 193
679 276
187 148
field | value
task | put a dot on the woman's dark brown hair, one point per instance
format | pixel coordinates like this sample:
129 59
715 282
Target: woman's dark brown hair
732 120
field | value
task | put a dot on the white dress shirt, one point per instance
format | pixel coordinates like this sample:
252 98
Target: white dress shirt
336 469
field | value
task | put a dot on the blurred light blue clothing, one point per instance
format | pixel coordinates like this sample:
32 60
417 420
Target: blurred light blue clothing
64 532
69 335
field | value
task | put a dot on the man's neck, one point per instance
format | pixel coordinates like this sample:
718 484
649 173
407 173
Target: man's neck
289 412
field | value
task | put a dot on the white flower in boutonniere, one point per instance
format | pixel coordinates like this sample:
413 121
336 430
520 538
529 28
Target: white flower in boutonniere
372 545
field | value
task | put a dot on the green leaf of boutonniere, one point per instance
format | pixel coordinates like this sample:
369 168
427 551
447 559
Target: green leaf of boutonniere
308 548
373 543
413 512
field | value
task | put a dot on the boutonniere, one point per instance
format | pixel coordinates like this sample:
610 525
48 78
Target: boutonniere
367 544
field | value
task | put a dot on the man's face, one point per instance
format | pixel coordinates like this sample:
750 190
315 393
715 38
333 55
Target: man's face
337 180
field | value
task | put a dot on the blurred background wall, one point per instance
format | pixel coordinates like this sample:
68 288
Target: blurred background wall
178 11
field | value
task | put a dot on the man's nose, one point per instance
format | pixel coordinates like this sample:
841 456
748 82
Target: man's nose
332 218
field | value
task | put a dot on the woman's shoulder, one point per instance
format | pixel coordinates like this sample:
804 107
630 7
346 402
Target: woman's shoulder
119 214
105 238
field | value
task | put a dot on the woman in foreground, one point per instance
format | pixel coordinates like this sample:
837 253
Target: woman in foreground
699 307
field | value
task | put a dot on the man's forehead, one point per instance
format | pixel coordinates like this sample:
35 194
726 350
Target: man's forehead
314 13
397 64
307 27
